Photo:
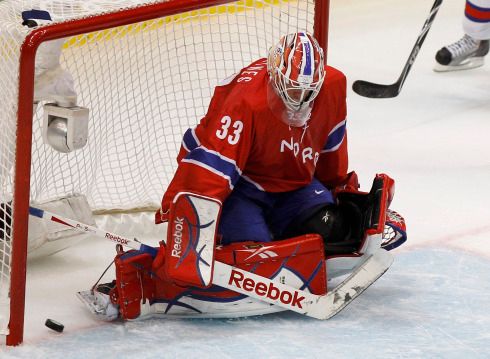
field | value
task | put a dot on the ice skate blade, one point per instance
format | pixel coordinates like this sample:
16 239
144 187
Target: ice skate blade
470 63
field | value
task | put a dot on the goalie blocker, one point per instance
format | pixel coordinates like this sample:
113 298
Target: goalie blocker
147 286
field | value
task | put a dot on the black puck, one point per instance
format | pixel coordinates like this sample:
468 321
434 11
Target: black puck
53 324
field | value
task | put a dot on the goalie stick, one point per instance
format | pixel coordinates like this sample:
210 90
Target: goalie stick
229 277
373 90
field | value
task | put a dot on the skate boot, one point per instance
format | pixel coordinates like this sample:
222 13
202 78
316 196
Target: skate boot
98 301
464 54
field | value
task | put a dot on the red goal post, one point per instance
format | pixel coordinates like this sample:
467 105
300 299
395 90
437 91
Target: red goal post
22 184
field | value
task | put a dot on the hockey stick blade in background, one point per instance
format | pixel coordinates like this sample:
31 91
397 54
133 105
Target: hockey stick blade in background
373 90
226 276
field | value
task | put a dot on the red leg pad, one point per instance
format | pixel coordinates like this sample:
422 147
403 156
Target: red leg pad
134 282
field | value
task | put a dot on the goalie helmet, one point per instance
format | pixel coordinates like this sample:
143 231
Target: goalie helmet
296 70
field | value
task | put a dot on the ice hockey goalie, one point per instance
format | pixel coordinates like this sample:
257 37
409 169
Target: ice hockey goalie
262 186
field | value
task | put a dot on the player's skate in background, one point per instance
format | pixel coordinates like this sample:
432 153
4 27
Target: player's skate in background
469 51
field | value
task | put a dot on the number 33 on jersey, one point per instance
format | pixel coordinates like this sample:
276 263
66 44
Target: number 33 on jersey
231 135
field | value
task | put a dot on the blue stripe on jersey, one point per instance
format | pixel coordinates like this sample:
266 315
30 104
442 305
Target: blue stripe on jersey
189 141
215 163
335 138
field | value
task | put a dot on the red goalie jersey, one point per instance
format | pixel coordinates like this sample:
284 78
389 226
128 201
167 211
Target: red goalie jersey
241 137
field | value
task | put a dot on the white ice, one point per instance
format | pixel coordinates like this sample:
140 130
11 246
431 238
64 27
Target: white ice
434 302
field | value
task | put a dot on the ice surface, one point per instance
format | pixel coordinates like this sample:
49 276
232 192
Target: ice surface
435 300
433 303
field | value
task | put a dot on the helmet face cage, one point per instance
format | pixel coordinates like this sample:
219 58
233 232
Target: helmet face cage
296 69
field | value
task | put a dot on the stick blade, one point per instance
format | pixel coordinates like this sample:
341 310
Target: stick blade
362 278
372 90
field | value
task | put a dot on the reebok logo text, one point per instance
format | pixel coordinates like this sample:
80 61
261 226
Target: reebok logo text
265 290
177 235
116 239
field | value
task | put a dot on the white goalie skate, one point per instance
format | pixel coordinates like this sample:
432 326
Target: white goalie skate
466 53
98 301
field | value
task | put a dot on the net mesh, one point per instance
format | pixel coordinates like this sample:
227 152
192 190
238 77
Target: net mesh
144 85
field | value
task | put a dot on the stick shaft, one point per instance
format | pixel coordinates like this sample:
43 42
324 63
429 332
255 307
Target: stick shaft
420 40
85 228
